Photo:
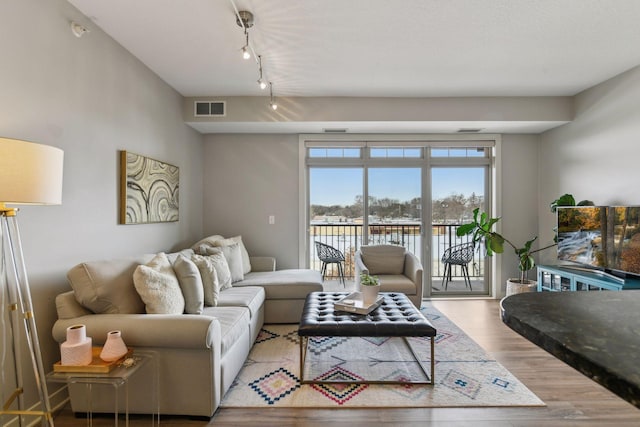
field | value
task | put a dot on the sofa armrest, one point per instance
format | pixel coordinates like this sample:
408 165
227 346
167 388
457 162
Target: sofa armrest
263 263
413 270
360 267
148 330
68 307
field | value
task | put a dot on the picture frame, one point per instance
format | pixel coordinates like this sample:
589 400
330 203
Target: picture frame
149 190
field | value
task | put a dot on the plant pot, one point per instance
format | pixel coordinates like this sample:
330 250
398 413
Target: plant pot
369 293
515 287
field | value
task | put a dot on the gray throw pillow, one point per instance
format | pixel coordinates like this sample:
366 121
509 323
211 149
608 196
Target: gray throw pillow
191 284
220 264
210 282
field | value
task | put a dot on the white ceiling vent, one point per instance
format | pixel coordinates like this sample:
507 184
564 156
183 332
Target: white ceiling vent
210 108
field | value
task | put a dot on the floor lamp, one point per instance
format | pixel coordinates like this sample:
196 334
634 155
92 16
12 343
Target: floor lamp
29 174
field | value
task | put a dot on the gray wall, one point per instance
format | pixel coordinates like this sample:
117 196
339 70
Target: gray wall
596 156
519 197
247 178
91 98
260 173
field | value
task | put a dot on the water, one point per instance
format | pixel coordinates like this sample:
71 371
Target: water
580 246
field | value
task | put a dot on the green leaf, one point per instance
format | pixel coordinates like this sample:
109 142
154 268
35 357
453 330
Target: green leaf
465 229
526 263
496 243
564 200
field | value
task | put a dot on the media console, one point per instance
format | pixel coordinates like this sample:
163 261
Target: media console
560 278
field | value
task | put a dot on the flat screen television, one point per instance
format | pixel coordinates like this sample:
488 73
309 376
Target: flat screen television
600 237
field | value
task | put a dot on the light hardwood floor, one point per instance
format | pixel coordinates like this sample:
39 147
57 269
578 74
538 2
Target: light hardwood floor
572 399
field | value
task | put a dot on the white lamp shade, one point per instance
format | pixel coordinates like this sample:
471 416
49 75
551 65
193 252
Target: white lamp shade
30 173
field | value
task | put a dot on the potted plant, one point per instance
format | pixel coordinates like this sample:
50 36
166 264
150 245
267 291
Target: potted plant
369 286
481 229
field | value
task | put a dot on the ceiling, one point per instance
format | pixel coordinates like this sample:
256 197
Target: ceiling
378 48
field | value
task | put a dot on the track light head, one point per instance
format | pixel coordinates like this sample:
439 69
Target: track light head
273 104
245 49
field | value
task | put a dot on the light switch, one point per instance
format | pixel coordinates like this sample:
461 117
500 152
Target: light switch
272 219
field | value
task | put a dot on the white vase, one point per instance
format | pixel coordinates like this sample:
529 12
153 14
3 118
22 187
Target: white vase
76 350
114 348
369 293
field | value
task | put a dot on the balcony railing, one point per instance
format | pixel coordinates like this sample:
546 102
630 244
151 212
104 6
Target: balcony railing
348 237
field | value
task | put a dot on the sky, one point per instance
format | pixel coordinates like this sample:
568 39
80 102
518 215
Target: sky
340 186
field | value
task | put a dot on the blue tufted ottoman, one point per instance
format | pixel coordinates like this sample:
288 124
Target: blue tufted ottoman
396 317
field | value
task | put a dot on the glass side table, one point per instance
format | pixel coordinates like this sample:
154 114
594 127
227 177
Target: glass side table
119 377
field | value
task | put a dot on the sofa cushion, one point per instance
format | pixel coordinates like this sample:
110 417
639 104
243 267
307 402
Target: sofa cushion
107 286
190 283
158 286
397 283
234 322
383 259
246 260
285 284
210 282
251 297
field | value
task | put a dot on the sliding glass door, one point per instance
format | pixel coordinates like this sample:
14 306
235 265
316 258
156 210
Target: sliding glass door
413 195
457 266
335 215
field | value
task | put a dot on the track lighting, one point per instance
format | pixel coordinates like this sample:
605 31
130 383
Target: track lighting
244 19
273 104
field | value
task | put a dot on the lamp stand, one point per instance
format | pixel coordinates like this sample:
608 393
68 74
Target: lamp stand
13 275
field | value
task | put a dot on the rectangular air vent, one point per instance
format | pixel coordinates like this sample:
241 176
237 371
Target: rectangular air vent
334 130
210 108
469 130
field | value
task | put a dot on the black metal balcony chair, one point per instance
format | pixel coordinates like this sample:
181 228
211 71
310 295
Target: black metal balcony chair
330 255
457 255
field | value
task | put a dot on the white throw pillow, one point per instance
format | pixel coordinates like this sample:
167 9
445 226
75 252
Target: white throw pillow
208 241
210 282
191 284
246 261
234 259
158 286
220 264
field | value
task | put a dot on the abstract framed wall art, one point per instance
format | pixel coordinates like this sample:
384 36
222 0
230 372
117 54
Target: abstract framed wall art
148 190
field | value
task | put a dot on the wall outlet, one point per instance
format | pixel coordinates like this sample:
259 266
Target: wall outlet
272 219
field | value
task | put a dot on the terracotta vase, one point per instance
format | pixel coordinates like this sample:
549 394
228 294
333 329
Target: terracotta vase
114 348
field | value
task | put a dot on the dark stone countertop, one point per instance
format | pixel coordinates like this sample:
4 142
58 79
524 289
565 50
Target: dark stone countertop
597 333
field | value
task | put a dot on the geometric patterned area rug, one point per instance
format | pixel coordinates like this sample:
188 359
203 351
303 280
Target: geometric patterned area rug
465 376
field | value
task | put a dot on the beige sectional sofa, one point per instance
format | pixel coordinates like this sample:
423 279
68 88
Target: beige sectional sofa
198 355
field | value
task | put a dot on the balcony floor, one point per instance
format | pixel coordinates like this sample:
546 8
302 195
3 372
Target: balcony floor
456 287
